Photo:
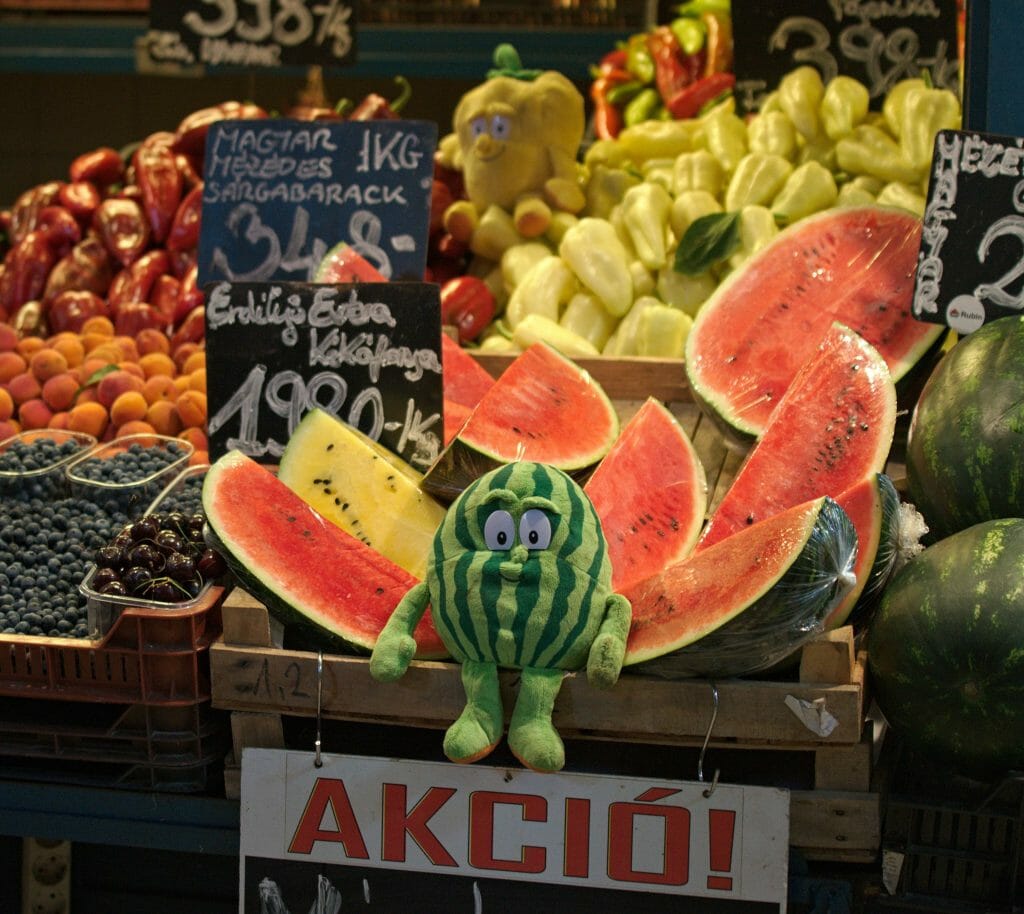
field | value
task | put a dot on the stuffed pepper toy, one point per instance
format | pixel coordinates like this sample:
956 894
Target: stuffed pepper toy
519 577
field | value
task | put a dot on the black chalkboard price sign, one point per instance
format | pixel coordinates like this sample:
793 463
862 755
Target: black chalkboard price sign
252 33
369 353
878 42
279 193
970 268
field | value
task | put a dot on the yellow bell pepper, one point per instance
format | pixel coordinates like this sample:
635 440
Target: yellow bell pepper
697 170
585 316
658 139
689 206
545 288
925 113
592 250
519 259
808 189
904 196
685 293
536 328
757 179
645 213
662 331
606 187
623 340
871 151
604 152
896 101
725 137
560 223
772 133
643 279
494 234
757 228
800 93
853 194
843 106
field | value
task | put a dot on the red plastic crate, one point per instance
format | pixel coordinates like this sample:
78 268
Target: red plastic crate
149 656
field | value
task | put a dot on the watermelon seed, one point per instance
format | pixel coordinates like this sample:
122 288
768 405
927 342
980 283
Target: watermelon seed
291 519
337 500
344 507
750 518
330 447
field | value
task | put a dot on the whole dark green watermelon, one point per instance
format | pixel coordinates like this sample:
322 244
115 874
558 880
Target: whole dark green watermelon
946 650
965 449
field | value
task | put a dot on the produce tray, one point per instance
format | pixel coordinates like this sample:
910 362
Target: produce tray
170 748
149 656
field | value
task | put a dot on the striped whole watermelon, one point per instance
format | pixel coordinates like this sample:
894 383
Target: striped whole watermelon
946 650
965 447
519 576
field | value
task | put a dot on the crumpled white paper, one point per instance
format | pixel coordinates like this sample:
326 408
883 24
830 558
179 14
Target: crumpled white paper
813 715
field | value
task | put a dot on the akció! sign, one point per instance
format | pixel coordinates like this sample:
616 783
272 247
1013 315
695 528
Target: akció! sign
304 828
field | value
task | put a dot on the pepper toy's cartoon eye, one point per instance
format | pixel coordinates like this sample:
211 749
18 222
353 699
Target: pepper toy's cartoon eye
478 127
501 127
535 529
499 531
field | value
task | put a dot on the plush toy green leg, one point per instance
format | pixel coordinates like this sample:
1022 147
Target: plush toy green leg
479 726
532 737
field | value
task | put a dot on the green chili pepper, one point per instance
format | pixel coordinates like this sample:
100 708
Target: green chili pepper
623 92
690 32
642 107
639 61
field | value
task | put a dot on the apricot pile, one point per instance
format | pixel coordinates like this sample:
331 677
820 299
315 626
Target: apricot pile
104 383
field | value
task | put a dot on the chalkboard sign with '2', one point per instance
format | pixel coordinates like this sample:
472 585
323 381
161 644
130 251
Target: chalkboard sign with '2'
369 353
278 194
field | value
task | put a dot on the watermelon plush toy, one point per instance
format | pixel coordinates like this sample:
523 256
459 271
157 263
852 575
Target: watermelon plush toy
519 577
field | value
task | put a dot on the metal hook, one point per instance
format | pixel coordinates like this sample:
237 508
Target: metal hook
317 761
707 739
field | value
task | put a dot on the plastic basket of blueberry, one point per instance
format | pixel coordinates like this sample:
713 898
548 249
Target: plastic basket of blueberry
32 463
128 473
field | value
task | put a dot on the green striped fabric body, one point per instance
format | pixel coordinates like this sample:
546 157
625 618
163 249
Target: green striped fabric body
543 612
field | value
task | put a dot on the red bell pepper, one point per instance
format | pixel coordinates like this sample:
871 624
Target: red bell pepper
102 167
164 296
673 69
80 198
72 308
161 184
190 296
61 228
134 316
688 101
25 211
184 231
377 108
607 117
190 137
468 304
123 229
26 269
191 169
87 267
135 282
192 328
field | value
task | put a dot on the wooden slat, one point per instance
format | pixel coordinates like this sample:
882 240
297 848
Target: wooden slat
430 695
835 825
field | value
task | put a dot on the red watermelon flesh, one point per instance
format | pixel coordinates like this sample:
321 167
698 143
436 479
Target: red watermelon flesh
832 429
863 504
465 379
543 408
306 569
455 415
650 492
343 264
854 265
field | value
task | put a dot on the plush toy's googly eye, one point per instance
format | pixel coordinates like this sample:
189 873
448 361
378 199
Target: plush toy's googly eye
535 529
501 126
478 127
499 531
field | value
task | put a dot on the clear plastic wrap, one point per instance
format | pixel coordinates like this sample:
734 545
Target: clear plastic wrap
790 613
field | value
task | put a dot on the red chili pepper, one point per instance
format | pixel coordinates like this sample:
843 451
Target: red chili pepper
190 137
614 60
607 117
72 308
80 198
718 43
671 72
468 303
687 102
190 296
123 229
164 296
26 269
377 108
86 268
161 185
102 167
184 231
25 211
134 316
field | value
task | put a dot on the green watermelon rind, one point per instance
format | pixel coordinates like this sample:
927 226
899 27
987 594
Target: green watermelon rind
788 610
738 433
944 651
886 555
280 595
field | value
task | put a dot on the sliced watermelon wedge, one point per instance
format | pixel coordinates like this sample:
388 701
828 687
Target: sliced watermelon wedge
832 429
343 264
747 602
308 571
854 265
543 408
651 493
465 379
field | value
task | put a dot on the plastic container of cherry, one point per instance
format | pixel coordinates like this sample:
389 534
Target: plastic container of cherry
33 463
126 475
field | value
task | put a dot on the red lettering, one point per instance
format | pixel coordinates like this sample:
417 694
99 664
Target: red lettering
576 860
398 823
329 792
675 868
532 859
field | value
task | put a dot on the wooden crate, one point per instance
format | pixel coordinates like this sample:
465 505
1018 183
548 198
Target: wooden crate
835 819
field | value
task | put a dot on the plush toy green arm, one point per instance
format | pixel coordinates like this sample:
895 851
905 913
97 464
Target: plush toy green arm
395 645
604 663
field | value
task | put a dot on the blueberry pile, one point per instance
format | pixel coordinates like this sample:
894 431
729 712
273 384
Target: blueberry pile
186 497
160 557
26 462
136 472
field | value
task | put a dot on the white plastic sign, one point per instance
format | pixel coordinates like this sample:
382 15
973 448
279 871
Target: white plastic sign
365 828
